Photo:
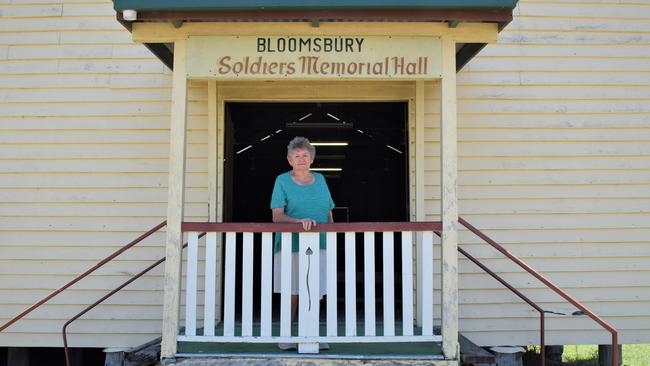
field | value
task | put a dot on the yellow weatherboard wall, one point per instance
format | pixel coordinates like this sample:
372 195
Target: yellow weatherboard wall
554 163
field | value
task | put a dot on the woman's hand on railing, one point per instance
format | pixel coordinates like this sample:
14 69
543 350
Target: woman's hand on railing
307 223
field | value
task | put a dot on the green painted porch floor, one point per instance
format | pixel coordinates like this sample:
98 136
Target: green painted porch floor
405 349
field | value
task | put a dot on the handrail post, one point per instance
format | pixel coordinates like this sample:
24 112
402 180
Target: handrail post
615 354
542 353
65 345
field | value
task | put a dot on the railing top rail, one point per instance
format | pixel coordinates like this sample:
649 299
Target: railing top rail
292 228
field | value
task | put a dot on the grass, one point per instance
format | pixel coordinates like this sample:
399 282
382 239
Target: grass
580 355
587 355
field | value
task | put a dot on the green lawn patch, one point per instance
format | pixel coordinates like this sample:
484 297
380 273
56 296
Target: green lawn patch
587 355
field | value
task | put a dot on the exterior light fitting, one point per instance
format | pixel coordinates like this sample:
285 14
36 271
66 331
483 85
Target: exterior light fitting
130 15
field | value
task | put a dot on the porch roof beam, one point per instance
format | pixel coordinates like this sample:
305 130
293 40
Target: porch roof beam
166 32
498 16
266 5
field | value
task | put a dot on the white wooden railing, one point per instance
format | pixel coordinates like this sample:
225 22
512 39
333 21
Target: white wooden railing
309 327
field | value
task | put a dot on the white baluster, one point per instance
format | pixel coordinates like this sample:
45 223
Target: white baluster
191 278
285 285
389 285
332 322
350 286
229 286
247 286
210 283
427 283
407 283
267 276
369 282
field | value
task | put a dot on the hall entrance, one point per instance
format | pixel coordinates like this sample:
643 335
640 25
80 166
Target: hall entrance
361 149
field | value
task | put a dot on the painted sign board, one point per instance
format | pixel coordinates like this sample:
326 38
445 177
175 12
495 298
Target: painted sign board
313 57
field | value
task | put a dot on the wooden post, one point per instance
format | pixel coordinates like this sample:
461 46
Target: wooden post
419 193
218 111
213 195
18 356
605 355
175 202
114 356
449 200
213 162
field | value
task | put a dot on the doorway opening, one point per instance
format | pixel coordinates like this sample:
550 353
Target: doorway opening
361 149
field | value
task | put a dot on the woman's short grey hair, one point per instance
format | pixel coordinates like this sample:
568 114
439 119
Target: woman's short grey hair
301 143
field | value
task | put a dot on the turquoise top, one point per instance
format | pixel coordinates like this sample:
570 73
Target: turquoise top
312 201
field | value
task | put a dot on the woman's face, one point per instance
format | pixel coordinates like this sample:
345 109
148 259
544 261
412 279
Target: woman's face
300 159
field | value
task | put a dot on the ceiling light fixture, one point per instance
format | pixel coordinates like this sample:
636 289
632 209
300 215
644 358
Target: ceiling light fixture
318 125
333 116
326 169
305 116
394 149
244 149
330 143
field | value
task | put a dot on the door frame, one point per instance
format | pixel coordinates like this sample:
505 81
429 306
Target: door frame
219 93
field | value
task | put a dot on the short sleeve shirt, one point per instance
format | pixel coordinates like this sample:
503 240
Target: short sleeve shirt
312 201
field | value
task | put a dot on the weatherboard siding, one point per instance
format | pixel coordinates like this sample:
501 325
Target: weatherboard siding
84 141
554 159
554 163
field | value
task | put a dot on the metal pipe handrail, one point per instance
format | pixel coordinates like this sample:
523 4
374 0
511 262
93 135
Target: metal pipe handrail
548 284
81 276
513 290
520 295
96 303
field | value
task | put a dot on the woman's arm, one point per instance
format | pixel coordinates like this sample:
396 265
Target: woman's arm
330 217
280 216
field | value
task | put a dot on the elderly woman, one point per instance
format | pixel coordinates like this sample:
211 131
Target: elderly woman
300 196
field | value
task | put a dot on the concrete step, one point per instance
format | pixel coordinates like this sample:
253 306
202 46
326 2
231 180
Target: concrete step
148 354
471 354
299 361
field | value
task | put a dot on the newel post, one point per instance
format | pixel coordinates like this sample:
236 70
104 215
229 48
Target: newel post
175 202
449 200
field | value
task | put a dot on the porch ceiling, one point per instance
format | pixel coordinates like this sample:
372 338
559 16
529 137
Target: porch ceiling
451 12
